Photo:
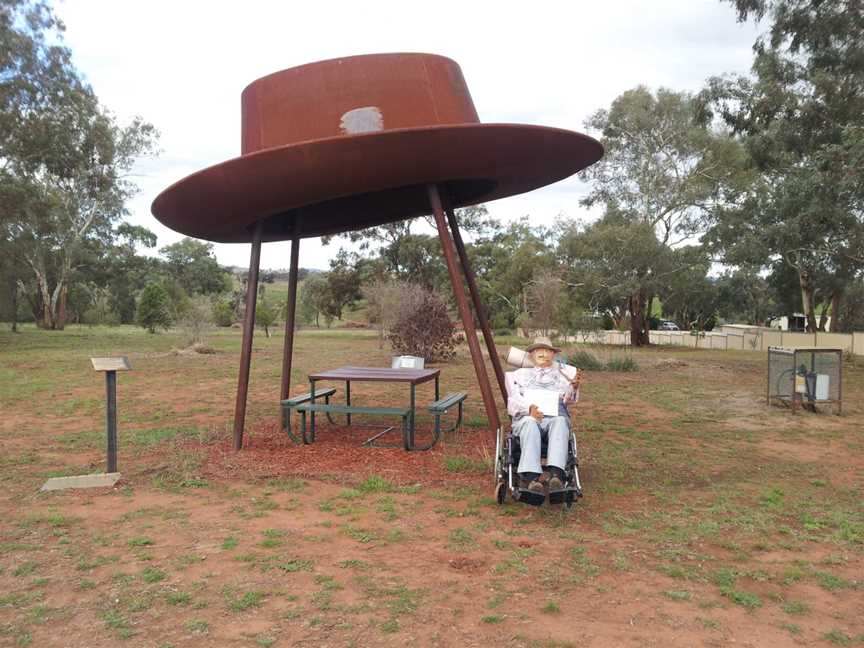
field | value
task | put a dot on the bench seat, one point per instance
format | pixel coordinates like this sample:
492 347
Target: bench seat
288 404
294 401
441 406
403 412
353 409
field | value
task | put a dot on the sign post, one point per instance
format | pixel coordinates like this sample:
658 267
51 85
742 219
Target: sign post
111 366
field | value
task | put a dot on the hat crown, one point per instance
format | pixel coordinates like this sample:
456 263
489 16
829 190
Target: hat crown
351 96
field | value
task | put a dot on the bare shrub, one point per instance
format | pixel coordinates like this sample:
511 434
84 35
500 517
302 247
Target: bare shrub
421 325
196 321
544 296
383 298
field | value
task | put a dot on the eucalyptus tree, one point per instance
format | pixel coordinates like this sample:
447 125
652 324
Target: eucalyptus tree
614 265
64 160
800 115
662 169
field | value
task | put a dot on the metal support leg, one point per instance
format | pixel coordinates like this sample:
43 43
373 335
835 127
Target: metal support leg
348 400
248 331
411 418
291 307
479 308
111 420
464 310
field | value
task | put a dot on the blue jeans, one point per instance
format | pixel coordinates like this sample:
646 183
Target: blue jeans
529 430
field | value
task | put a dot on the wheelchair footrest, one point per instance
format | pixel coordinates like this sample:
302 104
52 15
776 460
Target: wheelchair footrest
530 497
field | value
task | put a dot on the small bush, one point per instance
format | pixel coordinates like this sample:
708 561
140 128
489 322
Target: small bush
223 313
153 308
585 360
196 321
626 364
588 361
422 325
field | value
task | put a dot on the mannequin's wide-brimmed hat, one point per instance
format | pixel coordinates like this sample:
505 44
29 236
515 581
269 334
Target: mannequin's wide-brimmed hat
350 143
542 343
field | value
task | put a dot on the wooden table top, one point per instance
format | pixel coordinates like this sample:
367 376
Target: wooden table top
383 374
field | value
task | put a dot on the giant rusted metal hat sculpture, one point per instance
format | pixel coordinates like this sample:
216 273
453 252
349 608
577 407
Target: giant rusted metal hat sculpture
355 142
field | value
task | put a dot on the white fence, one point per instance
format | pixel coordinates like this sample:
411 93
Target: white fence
743 340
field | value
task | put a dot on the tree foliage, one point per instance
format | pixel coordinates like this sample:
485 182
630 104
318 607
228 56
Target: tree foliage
64 161
662 171
801 117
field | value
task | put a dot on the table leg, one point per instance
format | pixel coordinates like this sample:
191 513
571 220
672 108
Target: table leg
312 414
348 400
437 393
411 419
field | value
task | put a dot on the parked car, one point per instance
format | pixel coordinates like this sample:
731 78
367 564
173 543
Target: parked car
666 325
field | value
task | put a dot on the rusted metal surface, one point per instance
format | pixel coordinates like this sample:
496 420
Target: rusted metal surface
290 310
248 332
464 309
479 308
354 142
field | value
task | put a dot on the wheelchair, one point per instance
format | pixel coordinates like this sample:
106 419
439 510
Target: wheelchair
507 454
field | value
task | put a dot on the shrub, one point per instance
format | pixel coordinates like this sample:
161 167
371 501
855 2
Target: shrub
422 325
223 313
625 363
265 314
196 320
586 360
153 308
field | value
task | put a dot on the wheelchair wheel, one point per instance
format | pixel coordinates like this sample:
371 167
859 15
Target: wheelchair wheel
501 492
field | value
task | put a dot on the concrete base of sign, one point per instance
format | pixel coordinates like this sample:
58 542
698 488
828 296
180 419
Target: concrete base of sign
100 480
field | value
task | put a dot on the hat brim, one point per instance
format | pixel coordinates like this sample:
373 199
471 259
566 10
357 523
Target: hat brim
351 182
534 347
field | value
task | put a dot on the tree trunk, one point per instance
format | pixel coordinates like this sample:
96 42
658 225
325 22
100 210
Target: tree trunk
60 322
46 318
381 336
638 320
13 289
808 299
836 299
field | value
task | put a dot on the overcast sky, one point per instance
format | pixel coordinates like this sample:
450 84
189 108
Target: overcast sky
181 64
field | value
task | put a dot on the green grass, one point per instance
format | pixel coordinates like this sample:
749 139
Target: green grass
375 484
462 464
551 607
246 601
114 620
140 542
153 575
462 539
197 626
178 598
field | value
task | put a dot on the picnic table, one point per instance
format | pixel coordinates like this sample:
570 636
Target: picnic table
349 374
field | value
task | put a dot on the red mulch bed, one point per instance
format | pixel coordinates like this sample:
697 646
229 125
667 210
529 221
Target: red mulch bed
338 454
